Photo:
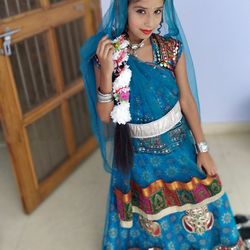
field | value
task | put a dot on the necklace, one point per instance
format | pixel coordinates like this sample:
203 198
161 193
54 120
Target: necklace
133 47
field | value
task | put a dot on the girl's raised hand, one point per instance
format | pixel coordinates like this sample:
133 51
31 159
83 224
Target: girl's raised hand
104 52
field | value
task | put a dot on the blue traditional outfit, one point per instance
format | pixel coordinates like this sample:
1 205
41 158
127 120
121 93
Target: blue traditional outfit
166 201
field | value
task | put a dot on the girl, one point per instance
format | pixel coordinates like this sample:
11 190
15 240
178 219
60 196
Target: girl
165 192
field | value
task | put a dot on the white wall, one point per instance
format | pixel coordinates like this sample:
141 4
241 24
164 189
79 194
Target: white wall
218 33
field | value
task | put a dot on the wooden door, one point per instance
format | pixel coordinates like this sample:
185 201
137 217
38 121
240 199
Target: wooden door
42 103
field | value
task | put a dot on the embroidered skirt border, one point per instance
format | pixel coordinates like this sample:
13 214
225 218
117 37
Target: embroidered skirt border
160 198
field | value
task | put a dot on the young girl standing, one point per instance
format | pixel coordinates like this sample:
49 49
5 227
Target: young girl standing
165 192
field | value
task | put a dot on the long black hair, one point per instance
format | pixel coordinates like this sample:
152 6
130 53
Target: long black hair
123 149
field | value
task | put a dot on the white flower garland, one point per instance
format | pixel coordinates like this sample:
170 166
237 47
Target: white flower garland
121 90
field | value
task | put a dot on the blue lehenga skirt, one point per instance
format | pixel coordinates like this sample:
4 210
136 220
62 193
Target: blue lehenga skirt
167 201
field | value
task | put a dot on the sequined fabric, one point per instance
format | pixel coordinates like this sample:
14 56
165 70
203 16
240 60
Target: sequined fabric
164 143
167 51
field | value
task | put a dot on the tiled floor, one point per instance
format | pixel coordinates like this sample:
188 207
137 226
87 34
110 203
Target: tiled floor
72 217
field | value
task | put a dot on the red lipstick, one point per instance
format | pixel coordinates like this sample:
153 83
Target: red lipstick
146 32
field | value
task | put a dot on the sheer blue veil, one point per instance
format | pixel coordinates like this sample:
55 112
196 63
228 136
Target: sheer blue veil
113 24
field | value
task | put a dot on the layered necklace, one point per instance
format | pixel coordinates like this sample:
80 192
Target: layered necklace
133 47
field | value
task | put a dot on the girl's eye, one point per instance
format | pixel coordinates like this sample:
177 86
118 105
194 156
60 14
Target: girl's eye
141 11
158 12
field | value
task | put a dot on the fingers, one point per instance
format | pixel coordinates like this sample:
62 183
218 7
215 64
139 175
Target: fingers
207 169
104 47
201 167
210 170
108 50
206 164
100 43
111 51
213 171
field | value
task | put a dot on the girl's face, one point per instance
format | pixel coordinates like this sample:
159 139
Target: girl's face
144 16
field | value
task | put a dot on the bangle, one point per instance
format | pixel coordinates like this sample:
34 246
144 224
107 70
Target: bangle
201 147
104 98
104 94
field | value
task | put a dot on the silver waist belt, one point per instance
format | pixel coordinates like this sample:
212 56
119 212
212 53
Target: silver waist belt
157 127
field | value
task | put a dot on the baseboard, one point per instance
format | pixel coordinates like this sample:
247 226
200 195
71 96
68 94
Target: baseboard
226 128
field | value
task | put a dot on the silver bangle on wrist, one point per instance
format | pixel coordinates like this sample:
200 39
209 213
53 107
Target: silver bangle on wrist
104 98
201 147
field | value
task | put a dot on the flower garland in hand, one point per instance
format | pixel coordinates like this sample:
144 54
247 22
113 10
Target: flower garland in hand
121 90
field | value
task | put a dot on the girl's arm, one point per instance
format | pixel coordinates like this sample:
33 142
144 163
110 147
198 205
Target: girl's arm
103 76
188 104
105 84
189 109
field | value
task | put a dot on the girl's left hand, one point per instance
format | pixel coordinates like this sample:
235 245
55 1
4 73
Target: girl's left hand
204 160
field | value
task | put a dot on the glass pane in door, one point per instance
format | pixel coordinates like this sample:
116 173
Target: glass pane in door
80 118
32 71
47 143
70 36
10 8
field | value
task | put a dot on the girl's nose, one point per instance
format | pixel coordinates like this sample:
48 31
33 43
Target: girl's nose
149 22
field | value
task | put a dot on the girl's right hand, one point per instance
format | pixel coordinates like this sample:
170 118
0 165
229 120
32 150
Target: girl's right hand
104 52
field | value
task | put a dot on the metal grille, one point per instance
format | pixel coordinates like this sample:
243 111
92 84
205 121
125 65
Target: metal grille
70 36
47 143
10 8
81 121
32 71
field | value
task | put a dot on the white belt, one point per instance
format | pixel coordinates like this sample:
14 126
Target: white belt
157 127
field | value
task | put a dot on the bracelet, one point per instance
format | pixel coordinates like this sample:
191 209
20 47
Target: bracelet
104 98
201 147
